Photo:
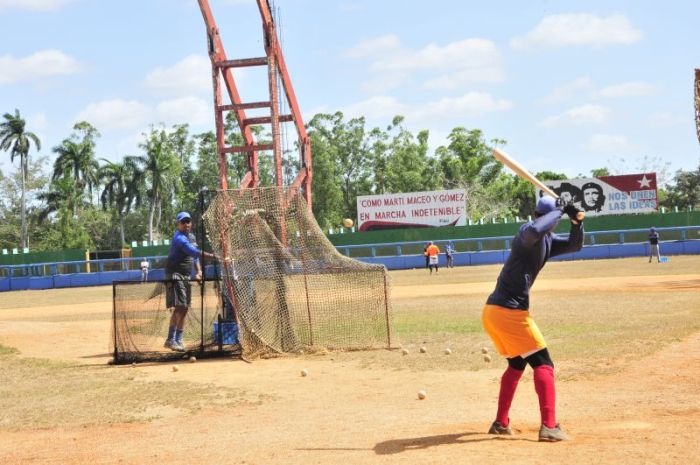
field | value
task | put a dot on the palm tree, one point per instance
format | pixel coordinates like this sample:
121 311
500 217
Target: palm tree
63 195
121 181
76 160
17 140
161 170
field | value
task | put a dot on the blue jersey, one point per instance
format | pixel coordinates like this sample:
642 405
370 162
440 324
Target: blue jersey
532 247
182 254
654 238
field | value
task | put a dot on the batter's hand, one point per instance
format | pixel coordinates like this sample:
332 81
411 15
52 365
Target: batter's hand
575 215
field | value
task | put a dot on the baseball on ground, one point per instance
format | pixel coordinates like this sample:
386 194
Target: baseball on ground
423 350
404 351
304 372
175 368
421 395
484 350
487 358
193 359
448 351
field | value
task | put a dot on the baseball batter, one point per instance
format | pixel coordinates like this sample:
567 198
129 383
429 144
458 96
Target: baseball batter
507 320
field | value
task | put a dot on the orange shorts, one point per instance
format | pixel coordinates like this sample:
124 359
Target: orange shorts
513 332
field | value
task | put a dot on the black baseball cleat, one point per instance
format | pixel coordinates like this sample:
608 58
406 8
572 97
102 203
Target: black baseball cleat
499 429
552 434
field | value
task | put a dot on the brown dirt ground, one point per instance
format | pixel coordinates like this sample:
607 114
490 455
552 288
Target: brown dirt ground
342 413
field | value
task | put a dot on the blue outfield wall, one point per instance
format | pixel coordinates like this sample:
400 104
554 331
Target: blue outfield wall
8 282
592 252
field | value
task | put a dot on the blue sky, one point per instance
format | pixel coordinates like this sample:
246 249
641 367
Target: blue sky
571 85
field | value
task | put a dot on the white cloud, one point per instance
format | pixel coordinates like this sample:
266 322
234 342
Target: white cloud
584 114
38 5
468 53
667 119
119 114
384 82
464 78
569 90
192 110
457 64
470 105
628 89
191 75
116 114
376 46
611 143
37 65
565 30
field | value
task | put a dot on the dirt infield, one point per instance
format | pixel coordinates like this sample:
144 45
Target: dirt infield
361 408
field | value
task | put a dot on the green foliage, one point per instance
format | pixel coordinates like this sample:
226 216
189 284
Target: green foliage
15 138
686 189
83 200
599 172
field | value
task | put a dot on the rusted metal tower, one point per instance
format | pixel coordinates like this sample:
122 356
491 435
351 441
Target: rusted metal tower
276 69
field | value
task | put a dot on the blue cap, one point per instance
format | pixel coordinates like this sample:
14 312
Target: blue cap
652 229
545 205
182 215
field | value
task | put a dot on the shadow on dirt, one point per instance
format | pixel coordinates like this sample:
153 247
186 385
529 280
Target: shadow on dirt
396 446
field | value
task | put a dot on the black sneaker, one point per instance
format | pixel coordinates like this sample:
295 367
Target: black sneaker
499 429
552 434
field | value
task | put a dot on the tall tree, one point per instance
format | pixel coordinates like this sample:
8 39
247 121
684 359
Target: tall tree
120 190
408 165
350 150
36 178
467 158
161 170
15 138
685 191
76 157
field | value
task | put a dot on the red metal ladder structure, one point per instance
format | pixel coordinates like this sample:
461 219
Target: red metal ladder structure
276 69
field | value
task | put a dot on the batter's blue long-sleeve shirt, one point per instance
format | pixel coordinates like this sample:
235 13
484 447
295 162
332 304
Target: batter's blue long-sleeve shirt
532 246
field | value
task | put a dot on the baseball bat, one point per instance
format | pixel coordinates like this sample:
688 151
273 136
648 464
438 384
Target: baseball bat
523 173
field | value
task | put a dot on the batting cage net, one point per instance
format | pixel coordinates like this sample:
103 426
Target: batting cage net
141 319
291 290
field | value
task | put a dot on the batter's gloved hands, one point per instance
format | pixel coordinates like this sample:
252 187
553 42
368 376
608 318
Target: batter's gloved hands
575 215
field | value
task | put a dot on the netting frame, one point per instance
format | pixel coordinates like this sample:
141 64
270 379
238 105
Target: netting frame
288 197
205 348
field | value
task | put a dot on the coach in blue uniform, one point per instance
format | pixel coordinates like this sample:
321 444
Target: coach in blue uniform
507 320
183 254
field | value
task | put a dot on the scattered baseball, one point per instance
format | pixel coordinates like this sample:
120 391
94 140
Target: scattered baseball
193 359
347 222
487 358
175 368
484 350
423 350
404 351
421 395
304 372
448 351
